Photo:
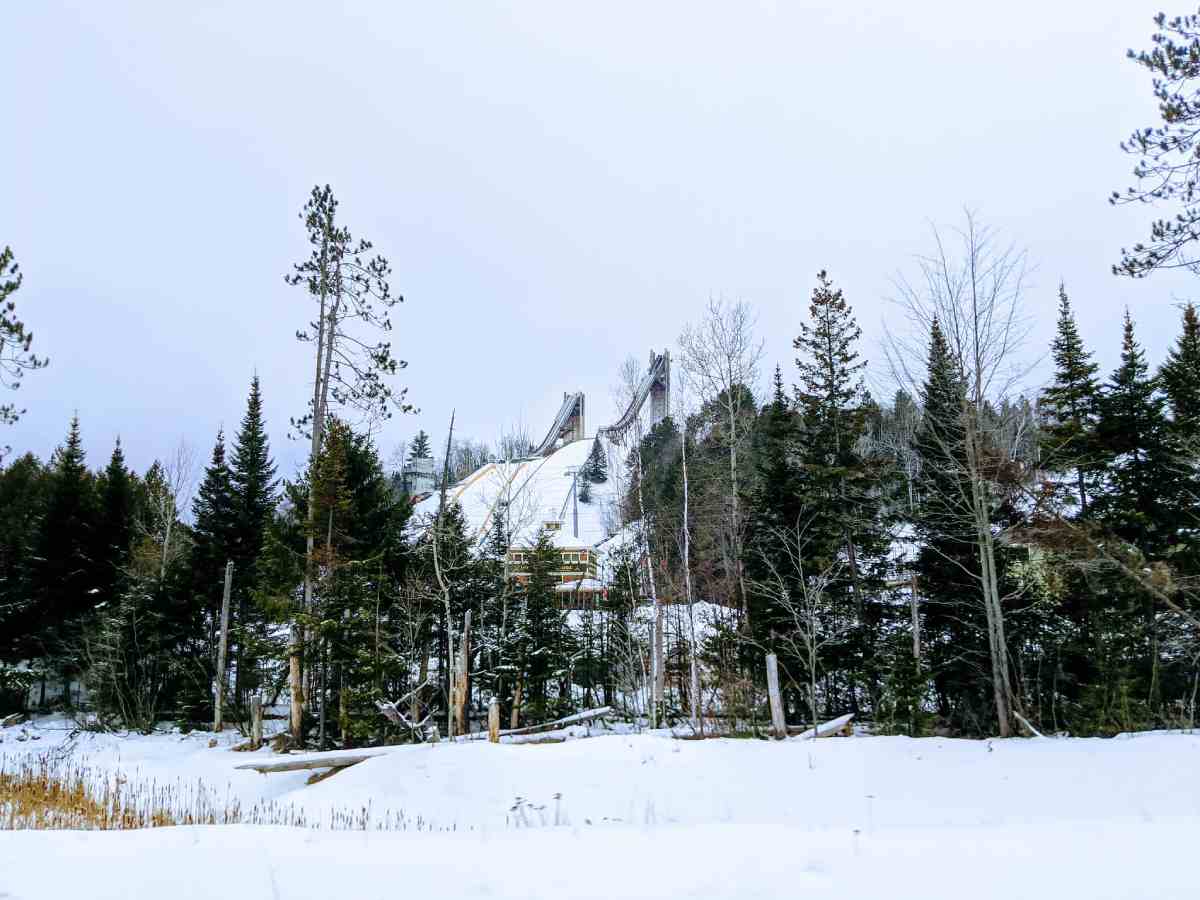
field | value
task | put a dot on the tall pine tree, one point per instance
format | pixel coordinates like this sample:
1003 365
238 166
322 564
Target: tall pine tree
1069 407
1180 380
64 577
1142 476
115 534
253 486
839 486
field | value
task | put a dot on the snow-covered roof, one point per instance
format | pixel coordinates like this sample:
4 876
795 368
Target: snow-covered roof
537 491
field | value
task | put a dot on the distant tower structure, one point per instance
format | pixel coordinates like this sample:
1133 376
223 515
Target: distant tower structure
417 477
574 430
660 389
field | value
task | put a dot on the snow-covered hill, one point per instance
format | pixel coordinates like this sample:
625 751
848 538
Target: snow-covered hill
536 491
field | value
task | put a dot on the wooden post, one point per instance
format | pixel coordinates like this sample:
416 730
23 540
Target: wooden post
778 723
494 721
256 716
222 646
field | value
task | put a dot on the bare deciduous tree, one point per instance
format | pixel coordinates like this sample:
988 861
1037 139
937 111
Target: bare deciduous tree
972 287
720 356
800 594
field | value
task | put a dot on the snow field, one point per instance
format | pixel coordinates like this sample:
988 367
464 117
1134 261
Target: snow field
644 816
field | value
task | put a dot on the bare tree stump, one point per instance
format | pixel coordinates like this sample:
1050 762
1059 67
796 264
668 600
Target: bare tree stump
256 720
778 722
494 721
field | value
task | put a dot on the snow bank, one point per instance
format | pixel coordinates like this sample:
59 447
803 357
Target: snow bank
1079 859
644 815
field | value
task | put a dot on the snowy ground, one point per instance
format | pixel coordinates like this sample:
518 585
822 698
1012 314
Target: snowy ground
646 816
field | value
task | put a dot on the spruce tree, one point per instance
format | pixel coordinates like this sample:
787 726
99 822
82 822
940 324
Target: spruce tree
1180 380
115 532
1143 479
24 486
776 506
947 566
1069 407
253 486
64 575
840 487
596 467
540 633
213 522
419 448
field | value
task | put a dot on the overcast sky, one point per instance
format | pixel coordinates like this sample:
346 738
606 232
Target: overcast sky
557 185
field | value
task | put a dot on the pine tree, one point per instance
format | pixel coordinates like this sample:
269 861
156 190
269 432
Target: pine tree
1069 407
214 520
1180 380
115 532
1142 476
539 640
24 486
64 575
839 487
253 486
947 566
776 505
595 469
16 341
213 524
419 448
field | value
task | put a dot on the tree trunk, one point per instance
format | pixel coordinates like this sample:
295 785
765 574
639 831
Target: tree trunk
494 721
222 646
256 722
515 717
778 721
461 684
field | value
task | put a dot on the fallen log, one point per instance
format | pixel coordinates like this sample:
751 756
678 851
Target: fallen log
840 725
586 716
334 759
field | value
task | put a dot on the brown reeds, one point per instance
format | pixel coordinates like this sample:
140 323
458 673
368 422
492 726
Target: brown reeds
51 792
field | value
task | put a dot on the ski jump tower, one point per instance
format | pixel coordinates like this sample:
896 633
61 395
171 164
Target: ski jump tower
570 424
655 386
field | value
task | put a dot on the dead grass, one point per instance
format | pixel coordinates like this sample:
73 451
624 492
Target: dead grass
51 792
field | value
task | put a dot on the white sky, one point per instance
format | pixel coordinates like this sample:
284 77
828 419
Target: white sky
557 185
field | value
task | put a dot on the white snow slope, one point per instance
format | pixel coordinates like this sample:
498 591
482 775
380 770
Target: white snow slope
646 816
537 491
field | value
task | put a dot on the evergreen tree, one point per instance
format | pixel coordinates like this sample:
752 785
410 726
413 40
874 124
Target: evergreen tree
24 485
839 487
539 639
64 575
115 532
16 341
253 486
947 566
213 525
1143 479
1069 407
214 521
1180 381
776 506
419 448
595 469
